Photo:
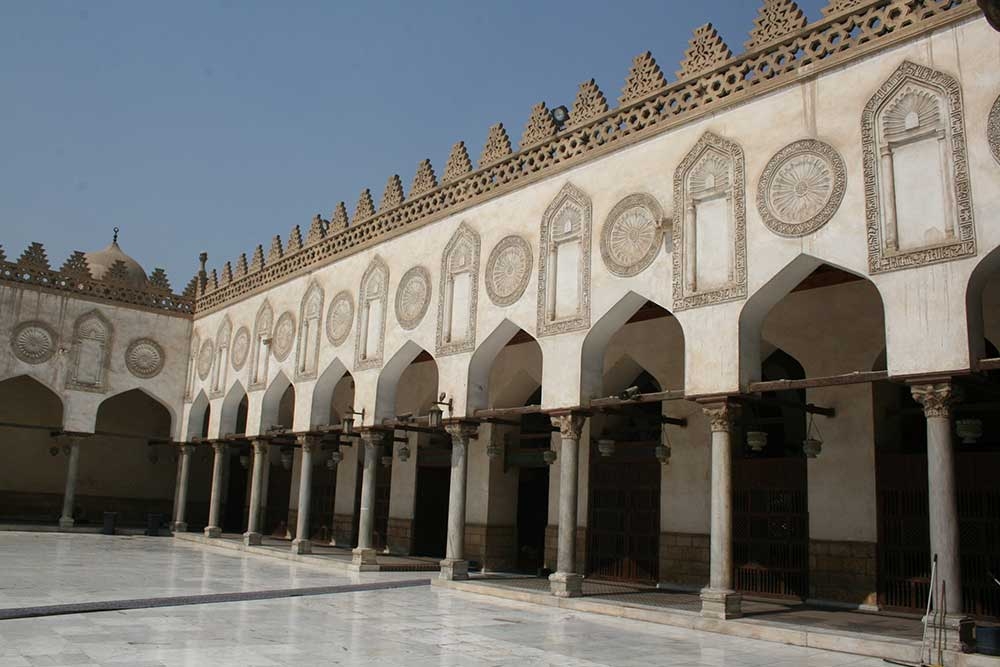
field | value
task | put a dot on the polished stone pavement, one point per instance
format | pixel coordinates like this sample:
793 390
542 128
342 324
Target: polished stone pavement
415 626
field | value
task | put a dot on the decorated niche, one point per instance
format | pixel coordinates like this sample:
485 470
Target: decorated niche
372 298
91 353
33 342
459 295
801 188
310 332
192 364
284 336
220 369
632 235
144 358
710 245
918 200
508 270
240 348
412 297
993 130
339 318
564 263
259 344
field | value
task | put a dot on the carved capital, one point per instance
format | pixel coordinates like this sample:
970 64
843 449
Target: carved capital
461 432
219 447
259 447
936 398
721 416
372 437
186 449
309 443
570 425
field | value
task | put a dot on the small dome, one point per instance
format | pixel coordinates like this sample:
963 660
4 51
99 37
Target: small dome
101 261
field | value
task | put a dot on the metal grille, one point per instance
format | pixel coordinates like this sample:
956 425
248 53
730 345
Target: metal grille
624 525
771 527
979 530
903 541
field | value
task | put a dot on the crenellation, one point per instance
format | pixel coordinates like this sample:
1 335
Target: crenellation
338 220
34 257
589 104
540 126
775 19
705 52
294 240
497 146
365 207
644 78
392 196
424 180
458 164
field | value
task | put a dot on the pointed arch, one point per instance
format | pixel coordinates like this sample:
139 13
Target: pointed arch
37 403
137 412
988 267
388 379
271 402
233 404
481 364
91 354
323 391
197 414
310 319
458 296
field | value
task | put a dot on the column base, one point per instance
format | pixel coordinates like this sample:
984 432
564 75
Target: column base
213 531
454 569
301 546
252 539
364 560
566 584
179 527
66 522
720 603
958 631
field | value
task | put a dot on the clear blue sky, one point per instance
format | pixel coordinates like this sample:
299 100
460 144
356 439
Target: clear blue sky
215 125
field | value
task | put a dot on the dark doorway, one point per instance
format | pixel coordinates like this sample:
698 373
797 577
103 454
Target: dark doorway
770 494
234 519
430 521
321 499
279 487
532 517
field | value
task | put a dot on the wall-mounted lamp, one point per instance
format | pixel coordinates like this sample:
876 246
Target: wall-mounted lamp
549 456
404 453
756 440
606 447
435 413
560 116
347 423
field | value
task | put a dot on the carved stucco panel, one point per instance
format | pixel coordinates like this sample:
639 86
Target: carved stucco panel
374 288
577 226
632 235
508 270
801 188
993 130
241 348
461 255
413 296
144 358
33 342
91 354
339 318
284 336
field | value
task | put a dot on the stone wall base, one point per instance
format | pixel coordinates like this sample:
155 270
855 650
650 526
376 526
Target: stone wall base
552 548
399 536
342 530
87 509
685 559
844 572
492 547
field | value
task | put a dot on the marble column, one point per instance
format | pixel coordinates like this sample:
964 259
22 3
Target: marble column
260 451
364 558
183 470
454 566
719 600
69 494
215 503
942 504
310 445
565 582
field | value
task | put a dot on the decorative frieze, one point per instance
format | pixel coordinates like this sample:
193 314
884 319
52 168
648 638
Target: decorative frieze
508 270
339 318
412 297
564 250
801 188
144 358
918 200
632 235
33 342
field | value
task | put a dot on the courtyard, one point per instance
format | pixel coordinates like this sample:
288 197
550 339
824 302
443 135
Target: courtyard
400 623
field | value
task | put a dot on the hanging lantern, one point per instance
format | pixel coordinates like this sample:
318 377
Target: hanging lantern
606 447
53 450
549 456
404 453
387 461
347 423
813 444
493 450
335 458
756 440
969 430
663 454
434 416
286 458
244 461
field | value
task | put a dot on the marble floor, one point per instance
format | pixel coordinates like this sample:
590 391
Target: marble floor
412 627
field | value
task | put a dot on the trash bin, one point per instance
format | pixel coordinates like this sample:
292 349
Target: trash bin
153 523
988 639
109 523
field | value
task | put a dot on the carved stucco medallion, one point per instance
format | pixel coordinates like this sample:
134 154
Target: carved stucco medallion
241 347
801 188
33 342
144 358
339 318
632 235
413 296
508 270
284 336
993 130
205 357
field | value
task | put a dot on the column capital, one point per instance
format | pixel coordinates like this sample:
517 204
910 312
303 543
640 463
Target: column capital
259 446
721 415
372 436
309 443
462 431
186 448
570 424
936 398
219 445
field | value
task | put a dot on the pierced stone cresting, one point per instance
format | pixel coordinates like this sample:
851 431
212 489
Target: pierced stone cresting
508 270
801 188
33 342
413 296
284 336
241 348
632 235
144 358
339 318
205 357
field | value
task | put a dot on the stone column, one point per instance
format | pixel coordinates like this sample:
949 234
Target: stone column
252 536
364 555
565 582
942 503
310 445
183 470
213 529
719 600
69 495
454 566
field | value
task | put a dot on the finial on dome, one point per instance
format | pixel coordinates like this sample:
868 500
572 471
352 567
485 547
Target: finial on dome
115 239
